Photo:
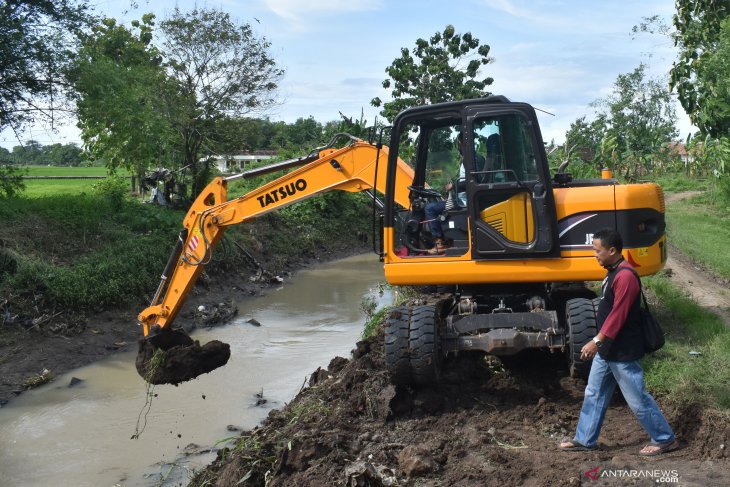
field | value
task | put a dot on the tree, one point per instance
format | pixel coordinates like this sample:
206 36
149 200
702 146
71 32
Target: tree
444 68
712 112
640 117
217 69
30 153
698 24
119 76
304 132
11 181
63 154
632 125
583 138
357 127
37 40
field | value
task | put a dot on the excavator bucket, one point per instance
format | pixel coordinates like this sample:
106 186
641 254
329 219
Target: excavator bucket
172 357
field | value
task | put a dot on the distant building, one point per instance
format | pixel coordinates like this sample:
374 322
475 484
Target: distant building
227 163
679 149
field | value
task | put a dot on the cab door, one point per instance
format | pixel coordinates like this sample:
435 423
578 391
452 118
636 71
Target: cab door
510 198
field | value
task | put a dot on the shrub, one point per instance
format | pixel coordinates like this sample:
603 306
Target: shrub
113 189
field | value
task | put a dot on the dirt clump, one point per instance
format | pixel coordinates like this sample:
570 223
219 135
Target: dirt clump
179 363
486 422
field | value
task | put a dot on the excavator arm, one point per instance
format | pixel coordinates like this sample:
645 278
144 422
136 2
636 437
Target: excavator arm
359 166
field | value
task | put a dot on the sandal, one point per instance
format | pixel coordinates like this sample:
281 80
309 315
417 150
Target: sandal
661 448
575 446
439 248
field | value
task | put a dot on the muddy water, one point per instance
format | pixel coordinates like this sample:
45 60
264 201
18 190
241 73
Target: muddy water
81 435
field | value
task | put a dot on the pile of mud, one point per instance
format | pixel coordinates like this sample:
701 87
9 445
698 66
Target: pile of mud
484 423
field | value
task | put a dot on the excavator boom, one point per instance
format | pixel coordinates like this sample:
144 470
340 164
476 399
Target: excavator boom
359 166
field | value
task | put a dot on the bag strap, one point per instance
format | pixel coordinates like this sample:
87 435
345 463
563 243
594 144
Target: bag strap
641 287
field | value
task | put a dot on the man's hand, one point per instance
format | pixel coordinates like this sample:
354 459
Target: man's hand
448 186
588 351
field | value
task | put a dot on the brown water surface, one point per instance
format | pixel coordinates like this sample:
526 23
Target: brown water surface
56 435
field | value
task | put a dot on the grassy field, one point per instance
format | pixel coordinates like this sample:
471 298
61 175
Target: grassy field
35 188
66 171
692 368
701 232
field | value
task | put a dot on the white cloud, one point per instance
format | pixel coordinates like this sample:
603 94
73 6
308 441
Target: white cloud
537 14
300 13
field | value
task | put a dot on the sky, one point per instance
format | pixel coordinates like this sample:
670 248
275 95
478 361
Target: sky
558 55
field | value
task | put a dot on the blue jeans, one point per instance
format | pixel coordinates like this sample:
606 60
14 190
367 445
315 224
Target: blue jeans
601 383
432 212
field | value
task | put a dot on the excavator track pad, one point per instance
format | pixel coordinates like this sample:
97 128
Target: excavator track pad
172 357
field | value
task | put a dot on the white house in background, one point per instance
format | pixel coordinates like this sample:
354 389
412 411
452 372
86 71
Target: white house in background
679 149
227 163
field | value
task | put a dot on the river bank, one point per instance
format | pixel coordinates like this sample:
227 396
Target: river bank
486 423
32 356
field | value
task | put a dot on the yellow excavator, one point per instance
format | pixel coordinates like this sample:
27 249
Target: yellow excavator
506 259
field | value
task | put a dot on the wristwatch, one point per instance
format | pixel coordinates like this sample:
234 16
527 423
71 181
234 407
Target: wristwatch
597 342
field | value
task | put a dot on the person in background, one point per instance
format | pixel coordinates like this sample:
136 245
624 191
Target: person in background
434 209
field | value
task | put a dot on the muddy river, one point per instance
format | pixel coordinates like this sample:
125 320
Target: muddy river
81 435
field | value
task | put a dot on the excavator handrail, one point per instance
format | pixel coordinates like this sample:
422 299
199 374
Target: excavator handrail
313 155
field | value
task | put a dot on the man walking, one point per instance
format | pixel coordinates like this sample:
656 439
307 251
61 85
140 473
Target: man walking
616 351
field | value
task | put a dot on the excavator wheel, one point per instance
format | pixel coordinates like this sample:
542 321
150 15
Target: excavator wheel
580 315
397 347
424 343
172 357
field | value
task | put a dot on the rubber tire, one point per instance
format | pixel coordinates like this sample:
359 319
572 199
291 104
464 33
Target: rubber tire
580 316
397 353
425 345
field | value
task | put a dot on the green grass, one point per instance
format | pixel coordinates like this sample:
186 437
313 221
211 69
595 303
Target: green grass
67 171
672 372
679 182
701 232
85 251
35 188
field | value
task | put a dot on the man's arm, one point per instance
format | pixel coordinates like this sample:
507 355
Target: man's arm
625 291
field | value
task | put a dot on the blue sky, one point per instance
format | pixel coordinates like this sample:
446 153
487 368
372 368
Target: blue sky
558 55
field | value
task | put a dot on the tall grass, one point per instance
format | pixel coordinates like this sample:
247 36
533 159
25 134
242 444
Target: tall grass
701 232
692 368
84 251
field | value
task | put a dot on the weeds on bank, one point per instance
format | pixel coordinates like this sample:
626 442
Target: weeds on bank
305 410
375 318
692 368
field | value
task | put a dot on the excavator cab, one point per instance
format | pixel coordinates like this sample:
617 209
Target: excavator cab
501 205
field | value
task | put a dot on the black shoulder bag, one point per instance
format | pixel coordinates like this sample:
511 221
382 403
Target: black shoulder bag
650 330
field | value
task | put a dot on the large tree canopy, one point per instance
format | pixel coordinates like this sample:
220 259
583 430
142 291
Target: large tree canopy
632 124
37 39
218 69
118 77
698 24
444 68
